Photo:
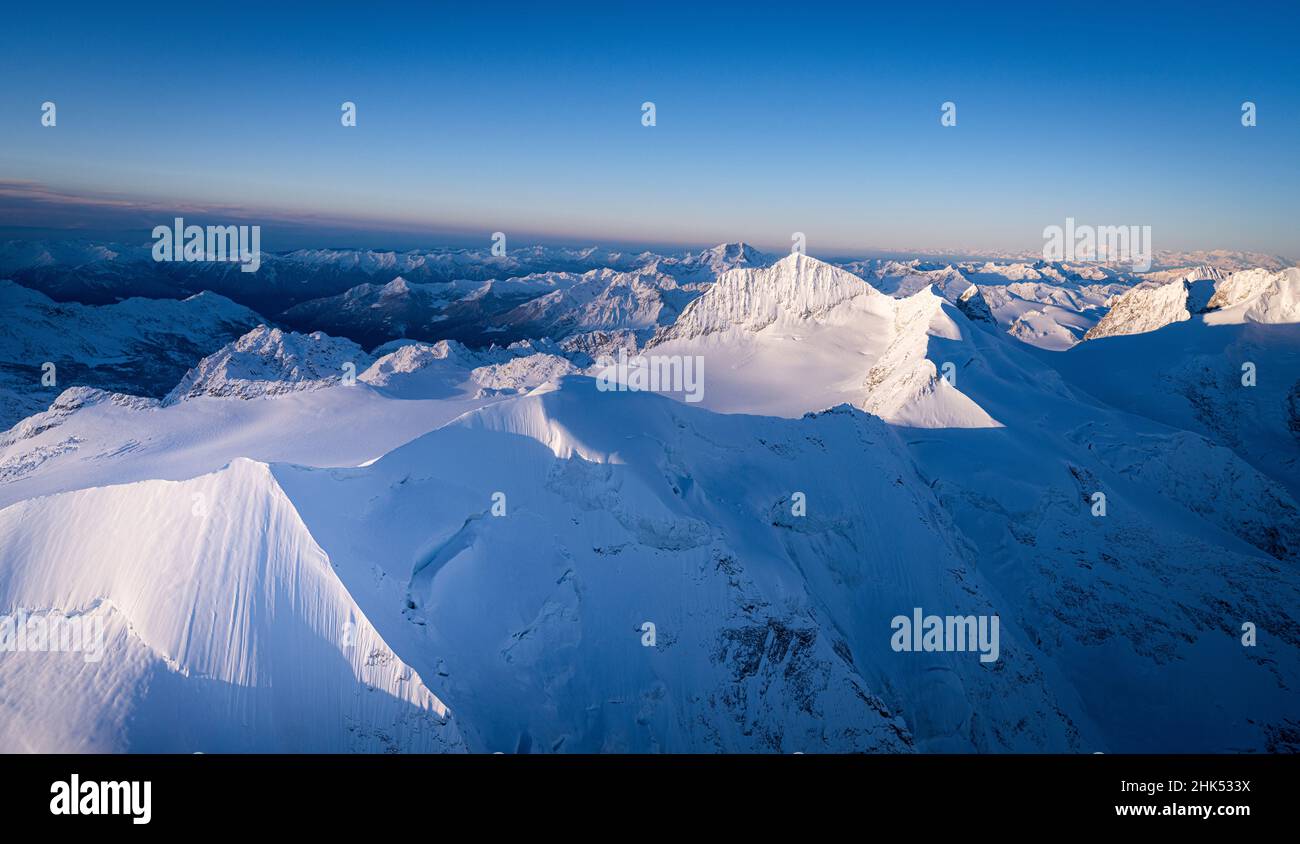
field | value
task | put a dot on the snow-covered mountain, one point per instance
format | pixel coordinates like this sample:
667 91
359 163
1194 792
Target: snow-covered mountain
375 313
604 300
1256 296
137 346
1153 305
439 546
266 361
1249 296
474 312
370 296
708 264
624 293
1046 304
103 274
803 335
478 298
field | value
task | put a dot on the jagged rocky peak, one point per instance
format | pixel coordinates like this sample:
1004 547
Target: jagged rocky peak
1276 289
1256 295
1150 306
269 361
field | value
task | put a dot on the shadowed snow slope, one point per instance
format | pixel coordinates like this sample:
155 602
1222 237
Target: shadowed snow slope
1238 384
627 508
514 558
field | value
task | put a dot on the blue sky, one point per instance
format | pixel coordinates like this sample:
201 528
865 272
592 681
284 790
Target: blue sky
771 119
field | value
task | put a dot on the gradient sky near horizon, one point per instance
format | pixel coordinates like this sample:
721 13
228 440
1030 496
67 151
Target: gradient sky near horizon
771 119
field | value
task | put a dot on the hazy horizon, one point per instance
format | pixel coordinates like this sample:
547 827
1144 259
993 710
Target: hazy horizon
825 121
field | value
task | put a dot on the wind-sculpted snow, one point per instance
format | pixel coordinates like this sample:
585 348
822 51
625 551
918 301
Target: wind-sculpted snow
225 629
89 438
270 396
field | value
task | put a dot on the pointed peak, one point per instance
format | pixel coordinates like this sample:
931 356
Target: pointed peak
796 287
396 287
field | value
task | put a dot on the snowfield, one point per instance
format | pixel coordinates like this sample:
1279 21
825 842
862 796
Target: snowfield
435 546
